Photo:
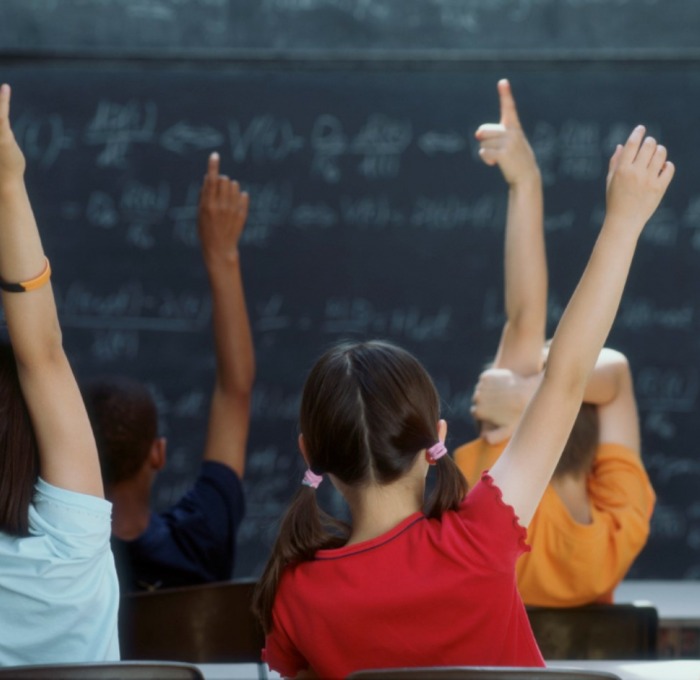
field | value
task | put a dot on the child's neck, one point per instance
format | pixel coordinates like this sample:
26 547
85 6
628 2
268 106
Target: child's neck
377 509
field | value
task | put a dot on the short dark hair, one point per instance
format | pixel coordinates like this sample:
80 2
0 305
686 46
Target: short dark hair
580 450
124 419
19 453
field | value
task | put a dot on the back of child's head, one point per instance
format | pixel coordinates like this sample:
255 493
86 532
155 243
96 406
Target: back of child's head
580 450
125 423
19 455
367 410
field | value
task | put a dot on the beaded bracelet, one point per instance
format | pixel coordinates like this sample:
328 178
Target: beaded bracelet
31 284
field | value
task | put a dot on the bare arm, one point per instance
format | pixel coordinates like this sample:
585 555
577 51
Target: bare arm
525 262
67 452
637 180
612 390
500 397
223 210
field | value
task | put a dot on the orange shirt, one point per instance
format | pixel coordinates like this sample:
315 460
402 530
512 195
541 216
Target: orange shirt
571 563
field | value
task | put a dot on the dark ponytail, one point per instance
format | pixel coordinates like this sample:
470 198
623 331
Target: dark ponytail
450 488
304 529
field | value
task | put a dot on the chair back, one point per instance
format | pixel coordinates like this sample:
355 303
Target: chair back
597 631
118 670
211 623
480 673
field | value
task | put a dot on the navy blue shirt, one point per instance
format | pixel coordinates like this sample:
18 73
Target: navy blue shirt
192 542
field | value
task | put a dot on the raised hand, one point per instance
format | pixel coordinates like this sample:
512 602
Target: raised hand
12 163
499 399
223 210
638 177
504 143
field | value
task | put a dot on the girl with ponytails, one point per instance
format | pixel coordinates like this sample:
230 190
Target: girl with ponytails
415 584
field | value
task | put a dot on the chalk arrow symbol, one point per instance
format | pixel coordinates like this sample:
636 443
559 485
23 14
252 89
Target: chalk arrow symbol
182 137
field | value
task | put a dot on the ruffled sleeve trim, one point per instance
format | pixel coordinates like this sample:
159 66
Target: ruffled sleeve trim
520 530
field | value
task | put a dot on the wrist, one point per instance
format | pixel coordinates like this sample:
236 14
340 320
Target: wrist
624 229
528 181
222 264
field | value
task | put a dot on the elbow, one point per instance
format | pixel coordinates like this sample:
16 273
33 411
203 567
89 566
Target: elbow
615 360
241 387
246 380
617 367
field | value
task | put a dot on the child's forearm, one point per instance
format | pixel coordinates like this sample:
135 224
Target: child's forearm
235 359
588 317
31 317
525 265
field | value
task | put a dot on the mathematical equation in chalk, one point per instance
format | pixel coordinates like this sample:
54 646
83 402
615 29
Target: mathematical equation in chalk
328 146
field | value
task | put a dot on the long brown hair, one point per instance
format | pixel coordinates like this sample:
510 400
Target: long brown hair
19 455
367 410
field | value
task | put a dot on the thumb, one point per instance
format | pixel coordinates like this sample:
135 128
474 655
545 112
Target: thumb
509 112
614 161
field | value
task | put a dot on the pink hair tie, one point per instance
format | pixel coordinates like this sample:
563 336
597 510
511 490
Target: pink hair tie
311 479
436 451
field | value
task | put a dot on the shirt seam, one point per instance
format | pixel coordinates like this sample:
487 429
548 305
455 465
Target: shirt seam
369 548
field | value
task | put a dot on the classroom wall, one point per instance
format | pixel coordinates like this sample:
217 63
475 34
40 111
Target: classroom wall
351 124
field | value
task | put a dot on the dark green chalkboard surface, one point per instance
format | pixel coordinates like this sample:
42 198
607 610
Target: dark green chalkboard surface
371 215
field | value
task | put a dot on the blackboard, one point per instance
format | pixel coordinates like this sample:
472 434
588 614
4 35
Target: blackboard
359 29
371 216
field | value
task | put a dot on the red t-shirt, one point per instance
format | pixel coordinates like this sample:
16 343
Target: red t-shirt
427 593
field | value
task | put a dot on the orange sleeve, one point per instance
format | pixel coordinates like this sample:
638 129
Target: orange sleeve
573 564
475 457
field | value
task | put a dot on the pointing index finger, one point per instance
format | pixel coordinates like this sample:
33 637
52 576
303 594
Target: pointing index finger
4 102
213 166
509 112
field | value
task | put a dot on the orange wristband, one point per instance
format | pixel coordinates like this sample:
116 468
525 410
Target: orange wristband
31 284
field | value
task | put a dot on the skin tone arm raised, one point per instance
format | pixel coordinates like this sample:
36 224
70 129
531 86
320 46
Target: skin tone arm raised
525 263
67 451
501 397
637 180
223 209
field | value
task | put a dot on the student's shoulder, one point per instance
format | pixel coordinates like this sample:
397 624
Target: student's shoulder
488 524
619 482
53 502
